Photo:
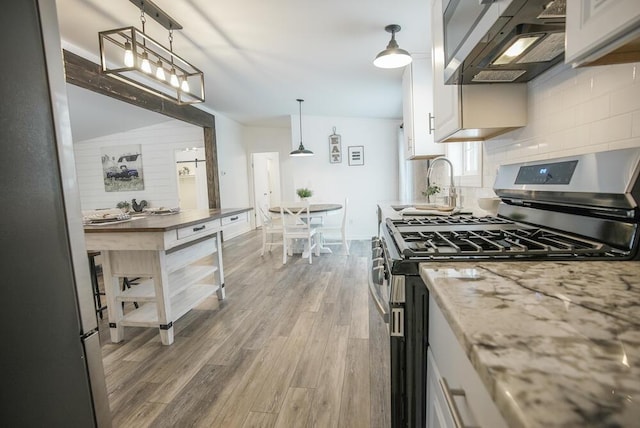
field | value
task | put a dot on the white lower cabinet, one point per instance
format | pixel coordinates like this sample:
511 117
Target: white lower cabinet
438 414
454 389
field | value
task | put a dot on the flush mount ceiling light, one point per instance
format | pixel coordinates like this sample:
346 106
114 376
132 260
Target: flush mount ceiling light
301 151
392 56
133 57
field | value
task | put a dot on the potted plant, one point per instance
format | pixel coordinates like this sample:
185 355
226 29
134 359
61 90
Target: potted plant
431 190
124 206
304 193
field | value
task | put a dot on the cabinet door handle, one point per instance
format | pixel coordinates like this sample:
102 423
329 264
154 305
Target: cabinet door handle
431 120
234 218
451 404
195 229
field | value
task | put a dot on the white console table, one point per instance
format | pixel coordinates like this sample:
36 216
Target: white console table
177 257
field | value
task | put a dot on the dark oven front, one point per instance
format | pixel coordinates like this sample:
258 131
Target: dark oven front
402 299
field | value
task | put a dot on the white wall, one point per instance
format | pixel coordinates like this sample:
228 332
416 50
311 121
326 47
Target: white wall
376 180
232 164
570 111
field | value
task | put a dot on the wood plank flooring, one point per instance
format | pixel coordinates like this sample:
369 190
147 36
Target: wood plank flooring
293 345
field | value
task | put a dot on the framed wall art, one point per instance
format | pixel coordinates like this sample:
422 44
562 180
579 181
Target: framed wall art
122 168
356 155
335 147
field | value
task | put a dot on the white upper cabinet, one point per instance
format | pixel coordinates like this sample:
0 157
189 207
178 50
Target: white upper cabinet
417 102
471 112
602 32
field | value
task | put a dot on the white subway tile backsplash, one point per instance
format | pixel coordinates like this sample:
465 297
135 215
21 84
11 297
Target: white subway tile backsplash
611 129
581 150
573 137
635 125
592 110
625 144
626 99
611 78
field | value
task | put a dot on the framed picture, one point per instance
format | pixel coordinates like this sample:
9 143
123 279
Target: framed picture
122 168
356 155
335 148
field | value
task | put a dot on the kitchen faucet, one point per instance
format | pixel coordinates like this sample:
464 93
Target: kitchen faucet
452 189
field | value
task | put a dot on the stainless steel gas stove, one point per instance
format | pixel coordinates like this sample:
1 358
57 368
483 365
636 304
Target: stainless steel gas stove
575 208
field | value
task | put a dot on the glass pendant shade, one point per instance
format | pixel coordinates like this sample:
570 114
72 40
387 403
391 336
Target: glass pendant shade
160 71
145 65
173 79
184 86
128 55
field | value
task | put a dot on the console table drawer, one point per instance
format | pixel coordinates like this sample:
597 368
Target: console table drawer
198 229
234 219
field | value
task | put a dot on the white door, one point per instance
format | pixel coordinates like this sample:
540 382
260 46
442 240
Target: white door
192 179
266 181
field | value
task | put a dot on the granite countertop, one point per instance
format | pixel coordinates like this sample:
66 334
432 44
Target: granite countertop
160 223
555 343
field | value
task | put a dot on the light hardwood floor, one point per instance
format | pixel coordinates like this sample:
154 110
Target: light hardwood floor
293 345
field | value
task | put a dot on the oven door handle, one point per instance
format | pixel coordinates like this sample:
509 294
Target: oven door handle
376 298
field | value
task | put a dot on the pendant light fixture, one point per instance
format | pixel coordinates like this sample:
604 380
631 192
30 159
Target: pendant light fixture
392 56
301 151
133 57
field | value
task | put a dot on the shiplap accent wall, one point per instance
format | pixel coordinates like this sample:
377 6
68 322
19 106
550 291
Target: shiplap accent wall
570 111
158 144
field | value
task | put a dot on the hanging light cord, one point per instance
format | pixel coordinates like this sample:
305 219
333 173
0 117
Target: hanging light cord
300 104
143 19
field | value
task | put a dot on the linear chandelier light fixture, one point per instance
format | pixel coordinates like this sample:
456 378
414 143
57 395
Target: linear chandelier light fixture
301 151
392 56
133 57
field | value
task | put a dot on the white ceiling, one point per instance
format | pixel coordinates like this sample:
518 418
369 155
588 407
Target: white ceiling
259 56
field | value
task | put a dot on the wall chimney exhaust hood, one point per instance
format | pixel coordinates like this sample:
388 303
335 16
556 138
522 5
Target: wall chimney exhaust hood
502 41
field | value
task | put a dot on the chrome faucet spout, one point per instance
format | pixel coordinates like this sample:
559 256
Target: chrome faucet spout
452 190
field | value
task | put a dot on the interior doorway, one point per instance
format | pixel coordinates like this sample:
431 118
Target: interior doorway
266 181
191 174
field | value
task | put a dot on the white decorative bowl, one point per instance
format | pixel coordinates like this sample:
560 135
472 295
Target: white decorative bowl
489 204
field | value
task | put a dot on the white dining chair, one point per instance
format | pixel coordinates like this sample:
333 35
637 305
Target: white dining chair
271 227
296 224
336 235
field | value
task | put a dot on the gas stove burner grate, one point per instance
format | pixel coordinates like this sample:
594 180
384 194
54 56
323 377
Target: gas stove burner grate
525 242
450 220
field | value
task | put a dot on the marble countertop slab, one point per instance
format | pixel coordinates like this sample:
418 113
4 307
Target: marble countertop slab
555 343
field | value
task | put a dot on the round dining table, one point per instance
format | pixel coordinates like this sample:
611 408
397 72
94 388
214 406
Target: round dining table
315 209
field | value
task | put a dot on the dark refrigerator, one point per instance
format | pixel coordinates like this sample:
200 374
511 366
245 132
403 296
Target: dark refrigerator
52 373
